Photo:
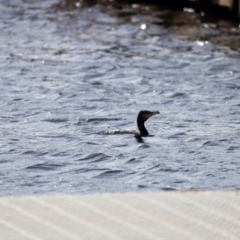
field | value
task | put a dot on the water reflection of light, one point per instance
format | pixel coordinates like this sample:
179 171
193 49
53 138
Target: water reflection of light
209 25
143 26
77 4
200 43
135 5
190 10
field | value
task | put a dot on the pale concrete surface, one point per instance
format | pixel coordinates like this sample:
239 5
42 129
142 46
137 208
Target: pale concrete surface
162 215
226 3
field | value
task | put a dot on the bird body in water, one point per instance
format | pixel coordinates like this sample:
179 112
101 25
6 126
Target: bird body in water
142 117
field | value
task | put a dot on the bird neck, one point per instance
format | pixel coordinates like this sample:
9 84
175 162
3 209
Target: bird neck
143 131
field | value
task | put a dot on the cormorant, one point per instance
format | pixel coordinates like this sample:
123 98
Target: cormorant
143 116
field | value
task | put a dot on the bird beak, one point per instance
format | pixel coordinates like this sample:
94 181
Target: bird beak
155 113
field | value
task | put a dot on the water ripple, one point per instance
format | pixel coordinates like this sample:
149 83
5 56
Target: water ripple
45 166
94 157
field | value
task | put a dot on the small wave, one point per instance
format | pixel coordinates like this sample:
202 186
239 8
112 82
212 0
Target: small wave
144 146
168 188
90 170
132 160
168 170
127 131
223 140
178 95
210 143
109 173
194 139
159 165
103 119
232 148
44 166
177 135
94 157
233 86
30 152
55 120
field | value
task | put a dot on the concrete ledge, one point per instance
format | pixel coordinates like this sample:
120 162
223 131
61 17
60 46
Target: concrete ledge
226 3
163 215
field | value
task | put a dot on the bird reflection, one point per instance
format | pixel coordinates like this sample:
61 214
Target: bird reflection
139 138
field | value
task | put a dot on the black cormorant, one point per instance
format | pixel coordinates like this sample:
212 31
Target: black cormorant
143 116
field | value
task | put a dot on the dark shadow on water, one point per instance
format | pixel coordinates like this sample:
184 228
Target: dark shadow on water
139 138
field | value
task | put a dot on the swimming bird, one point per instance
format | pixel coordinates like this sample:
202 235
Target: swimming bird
143 116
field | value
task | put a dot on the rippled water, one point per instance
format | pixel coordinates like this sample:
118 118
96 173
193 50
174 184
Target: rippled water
68 77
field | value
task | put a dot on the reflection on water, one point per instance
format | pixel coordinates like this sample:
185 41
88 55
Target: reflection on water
183 22
71 75
139 138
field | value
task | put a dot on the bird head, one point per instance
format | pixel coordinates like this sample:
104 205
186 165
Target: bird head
144 115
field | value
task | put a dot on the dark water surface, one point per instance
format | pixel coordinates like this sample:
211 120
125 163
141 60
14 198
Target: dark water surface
68 77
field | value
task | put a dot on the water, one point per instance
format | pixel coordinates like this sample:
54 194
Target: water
70 76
